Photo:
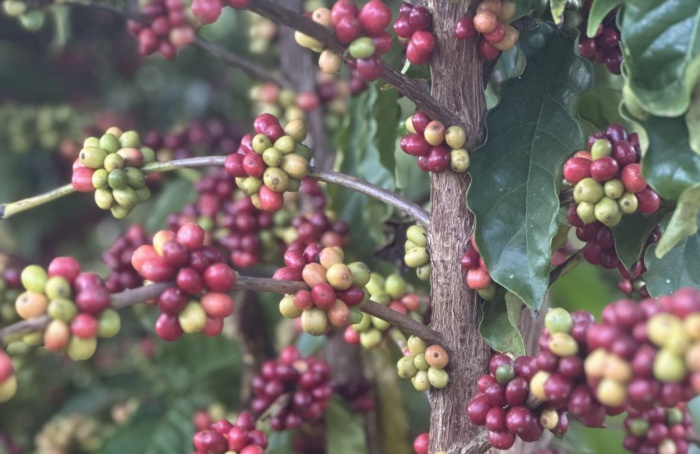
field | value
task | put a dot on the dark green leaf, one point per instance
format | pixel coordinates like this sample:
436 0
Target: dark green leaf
170 199
514 192
499 324
386 117
680 267
669 164
280 442
525 7
600 106
345 433
632 232
661 48
154 430
581 289
692 120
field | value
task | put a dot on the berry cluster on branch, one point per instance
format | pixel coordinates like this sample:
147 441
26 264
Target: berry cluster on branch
478 277
490 24
658 430
424 365
604 46
436 147
222 436
164 28
413 29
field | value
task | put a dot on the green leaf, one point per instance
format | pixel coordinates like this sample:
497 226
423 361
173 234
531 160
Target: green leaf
692 120
308 344
632 232
661 48
684 221
670 166
525 7
680 267
386 116
557 8
154 430
600 106
280 442
599 10
499 324
345 433
514 189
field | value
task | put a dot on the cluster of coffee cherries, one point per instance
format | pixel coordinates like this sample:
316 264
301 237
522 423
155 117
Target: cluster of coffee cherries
604 46
208 11
424 365
491 22
8 380
77 303
436 147
117 257
10 289
415 252
658 430
261 33
608 181
281 102
478 277
503 405
165 28
296 389
210 137
28 127
358 395
198 301
222 437
271 162
317 227
336 289
413 29
110 166
363 30
392 292
632 282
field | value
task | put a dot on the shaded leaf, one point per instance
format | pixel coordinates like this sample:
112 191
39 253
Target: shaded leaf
661 48
345 433
670 166
525 7
386 116
499 324
692 120
599 10
280 442
680 267
684 221
514 189
632 232
557 8
600 106
308 344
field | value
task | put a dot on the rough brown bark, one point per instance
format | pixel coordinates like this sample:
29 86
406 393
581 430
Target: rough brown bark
456 84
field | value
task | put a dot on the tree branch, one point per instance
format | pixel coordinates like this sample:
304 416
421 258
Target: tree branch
10 209
129 298
253 70
403 84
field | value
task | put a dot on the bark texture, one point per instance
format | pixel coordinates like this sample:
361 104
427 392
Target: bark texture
456 84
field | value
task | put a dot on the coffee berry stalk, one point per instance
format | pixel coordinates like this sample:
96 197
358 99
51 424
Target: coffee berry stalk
436 147
423 365
110 167
490 24
271 162
337 291
393 292
77 303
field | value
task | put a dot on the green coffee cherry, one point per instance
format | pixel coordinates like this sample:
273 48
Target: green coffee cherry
488 293
92 157
104 199
395 286
607 211
416 257
57 287
251 185
113 162
364 324
408 245
303 151
261 143
285 144
614 188
424 272
504 373
117 179
272 157
125 197
293 185
418 235
135 178
601 148
108 324
314 321
99 179
455 137
380 324
62 309
460 160
109 143
287 307
405 368
628 203
375 284
143 194
421 382
149 155
34 278
438 378
416 345
558 320
130 139
586 211
669 368
295 165
370 338
355 315
588 190
361 48
81 349
420 362
276 179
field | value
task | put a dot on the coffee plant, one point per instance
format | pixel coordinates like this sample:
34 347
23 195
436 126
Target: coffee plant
438 227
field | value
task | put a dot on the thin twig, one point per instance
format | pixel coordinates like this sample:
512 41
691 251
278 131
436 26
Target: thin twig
403 84
253 70
129 298
568 265
10 209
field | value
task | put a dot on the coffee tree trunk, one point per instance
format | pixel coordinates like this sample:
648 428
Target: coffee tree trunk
457 84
